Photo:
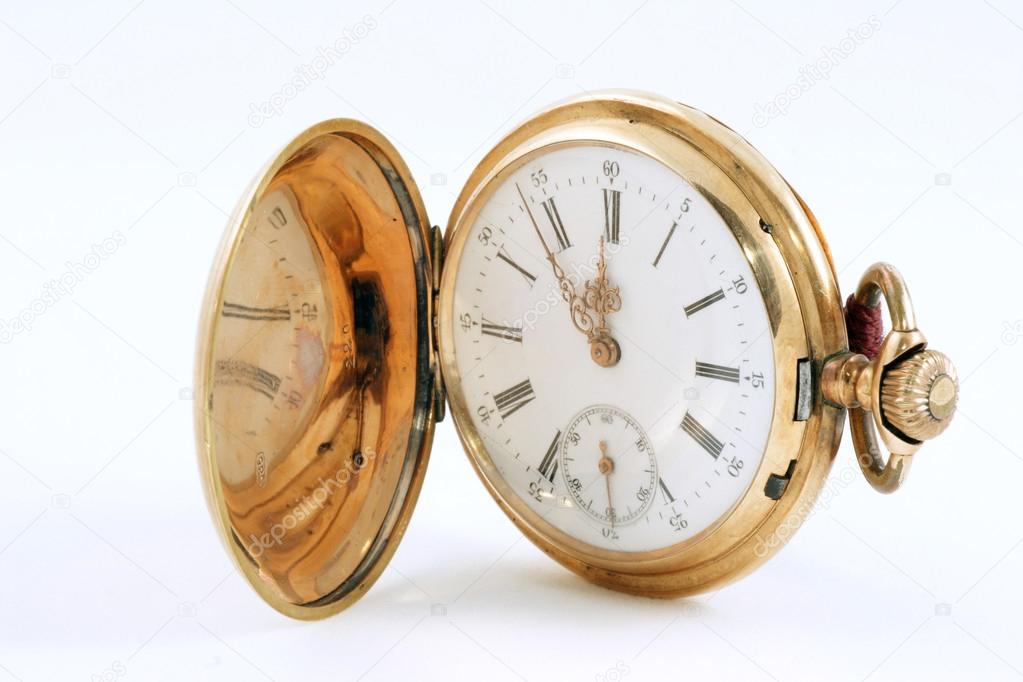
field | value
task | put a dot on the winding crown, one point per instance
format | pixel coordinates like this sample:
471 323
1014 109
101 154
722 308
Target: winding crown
919 394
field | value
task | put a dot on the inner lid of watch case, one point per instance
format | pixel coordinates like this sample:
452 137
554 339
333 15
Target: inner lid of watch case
313 510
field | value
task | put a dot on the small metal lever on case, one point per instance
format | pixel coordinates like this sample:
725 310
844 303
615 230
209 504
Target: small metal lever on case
437 265
906 393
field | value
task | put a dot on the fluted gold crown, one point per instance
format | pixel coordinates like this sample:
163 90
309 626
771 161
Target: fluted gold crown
919 394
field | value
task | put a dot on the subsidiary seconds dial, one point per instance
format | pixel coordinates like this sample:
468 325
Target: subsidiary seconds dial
609 465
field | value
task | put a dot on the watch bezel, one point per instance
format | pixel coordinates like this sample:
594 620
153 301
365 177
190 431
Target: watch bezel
790 260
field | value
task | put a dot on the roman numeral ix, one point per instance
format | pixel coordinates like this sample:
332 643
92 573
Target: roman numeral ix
514 399
501 331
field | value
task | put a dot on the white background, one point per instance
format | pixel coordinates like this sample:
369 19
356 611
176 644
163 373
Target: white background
134 118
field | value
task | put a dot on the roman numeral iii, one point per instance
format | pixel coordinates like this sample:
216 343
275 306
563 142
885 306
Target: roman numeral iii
709 371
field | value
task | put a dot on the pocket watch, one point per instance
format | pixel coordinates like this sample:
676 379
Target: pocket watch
633 320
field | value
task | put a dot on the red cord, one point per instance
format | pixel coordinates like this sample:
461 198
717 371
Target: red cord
865 327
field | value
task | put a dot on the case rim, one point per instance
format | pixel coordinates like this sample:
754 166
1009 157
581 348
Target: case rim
807 309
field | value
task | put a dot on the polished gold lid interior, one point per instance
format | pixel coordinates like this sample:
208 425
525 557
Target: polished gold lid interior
315 362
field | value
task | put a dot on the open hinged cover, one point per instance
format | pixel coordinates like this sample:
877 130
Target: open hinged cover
315 370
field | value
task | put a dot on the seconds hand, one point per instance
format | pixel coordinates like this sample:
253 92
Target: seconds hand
606 465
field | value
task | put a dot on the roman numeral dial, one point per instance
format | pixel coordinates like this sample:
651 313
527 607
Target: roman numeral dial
634 456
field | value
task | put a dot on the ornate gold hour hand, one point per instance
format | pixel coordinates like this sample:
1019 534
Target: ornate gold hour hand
599 298
603 299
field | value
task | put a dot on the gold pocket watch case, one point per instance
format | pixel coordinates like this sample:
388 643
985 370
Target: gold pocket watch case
634 320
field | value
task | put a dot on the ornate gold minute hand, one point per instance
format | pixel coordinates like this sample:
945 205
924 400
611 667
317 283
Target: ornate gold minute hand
599 298
577 306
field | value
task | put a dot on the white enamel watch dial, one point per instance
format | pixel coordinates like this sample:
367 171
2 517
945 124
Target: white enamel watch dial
648 451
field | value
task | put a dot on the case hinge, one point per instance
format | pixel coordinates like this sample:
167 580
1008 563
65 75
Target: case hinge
437 265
